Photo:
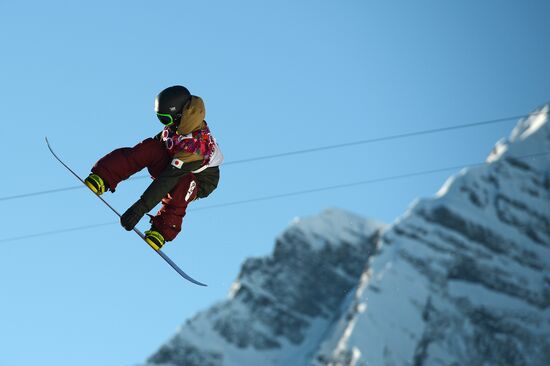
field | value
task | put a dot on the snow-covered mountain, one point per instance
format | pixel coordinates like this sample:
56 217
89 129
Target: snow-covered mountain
281 307
462 278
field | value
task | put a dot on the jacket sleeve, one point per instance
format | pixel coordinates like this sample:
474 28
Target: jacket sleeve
165 182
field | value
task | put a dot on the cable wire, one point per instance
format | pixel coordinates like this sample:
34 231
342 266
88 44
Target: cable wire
362 182
289 194
55 232
310 150
378 139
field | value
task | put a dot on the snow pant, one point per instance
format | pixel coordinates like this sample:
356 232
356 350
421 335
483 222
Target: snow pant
120 164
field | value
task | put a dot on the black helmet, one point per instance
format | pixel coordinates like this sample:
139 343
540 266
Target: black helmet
170 102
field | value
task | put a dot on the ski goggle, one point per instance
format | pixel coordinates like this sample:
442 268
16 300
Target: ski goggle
165 119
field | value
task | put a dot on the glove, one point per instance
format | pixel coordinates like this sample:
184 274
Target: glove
131 217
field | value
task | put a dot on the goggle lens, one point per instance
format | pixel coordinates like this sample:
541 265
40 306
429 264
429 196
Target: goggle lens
165 119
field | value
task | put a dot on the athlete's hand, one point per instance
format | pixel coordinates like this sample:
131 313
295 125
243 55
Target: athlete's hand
131 217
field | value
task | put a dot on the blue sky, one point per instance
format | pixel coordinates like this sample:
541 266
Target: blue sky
275 76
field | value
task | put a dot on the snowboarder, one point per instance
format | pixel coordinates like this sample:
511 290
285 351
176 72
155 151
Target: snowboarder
183 160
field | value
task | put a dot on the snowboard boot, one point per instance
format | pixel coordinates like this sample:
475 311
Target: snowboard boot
95 183
154 239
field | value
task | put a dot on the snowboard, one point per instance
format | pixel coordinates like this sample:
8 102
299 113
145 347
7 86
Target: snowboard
138 232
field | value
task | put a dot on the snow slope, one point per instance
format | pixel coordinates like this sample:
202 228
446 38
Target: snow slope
280 307
464 278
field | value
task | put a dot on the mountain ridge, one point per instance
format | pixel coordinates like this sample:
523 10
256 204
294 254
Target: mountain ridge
470 265
272 307
460 278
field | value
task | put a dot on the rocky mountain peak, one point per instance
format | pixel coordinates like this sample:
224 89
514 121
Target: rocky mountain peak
283 301
462 278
